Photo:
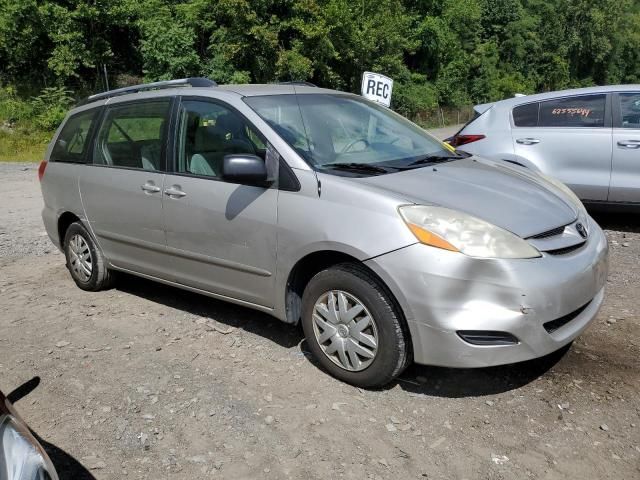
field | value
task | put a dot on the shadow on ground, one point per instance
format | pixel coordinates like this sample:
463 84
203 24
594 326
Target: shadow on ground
622 222
438 381
476 382
66 465
252 321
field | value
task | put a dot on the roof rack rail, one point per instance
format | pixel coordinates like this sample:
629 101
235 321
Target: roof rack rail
300 84
182 82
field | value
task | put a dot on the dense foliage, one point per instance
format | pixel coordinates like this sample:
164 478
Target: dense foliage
440 52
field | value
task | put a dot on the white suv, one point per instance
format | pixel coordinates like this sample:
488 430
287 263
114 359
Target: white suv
588 138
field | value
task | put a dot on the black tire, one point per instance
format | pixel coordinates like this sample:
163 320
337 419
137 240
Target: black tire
394 346
101 277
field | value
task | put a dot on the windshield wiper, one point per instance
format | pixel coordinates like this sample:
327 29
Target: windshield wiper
357 167
435 159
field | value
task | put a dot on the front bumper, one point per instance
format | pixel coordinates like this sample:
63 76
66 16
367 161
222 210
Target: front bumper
444 292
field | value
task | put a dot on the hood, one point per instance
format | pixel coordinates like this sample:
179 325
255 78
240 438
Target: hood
512 198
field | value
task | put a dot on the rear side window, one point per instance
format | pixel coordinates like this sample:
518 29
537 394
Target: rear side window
73 141
132 136
586 111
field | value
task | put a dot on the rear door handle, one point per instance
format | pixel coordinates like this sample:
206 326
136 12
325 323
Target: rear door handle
630 144
174 192
150 188
527 141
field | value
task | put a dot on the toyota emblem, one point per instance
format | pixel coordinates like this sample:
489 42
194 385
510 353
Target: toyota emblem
581 230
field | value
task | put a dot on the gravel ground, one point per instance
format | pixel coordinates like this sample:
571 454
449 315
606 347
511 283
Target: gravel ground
147 381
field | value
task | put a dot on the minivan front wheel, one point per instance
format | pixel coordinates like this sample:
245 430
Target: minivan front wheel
353 327
85 261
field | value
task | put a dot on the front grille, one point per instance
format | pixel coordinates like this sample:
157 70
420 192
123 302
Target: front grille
550 233
565 250
558 323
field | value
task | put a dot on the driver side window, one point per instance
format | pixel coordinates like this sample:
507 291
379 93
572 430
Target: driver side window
208 132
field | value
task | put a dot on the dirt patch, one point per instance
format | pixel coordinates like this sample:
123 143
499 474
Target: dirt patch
147 381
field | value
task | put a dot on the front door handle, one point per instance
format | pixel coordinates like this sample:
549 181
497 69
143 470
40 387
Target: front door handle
149 187
630 144
527 141
174 192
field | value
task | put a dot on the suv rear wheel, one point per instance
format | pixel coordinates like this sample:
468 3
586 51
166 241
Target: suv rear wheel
85 261
353 326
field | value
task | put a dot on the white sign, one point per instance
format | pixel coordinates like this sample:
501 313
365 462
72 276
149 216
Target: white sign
377 87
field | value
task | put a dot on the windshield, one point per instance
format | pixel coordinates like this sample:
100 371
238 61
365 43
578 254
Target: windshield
333 131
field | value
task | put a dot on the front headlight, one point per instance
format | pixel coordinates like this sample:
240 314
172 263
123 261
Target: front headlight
456 231
21 457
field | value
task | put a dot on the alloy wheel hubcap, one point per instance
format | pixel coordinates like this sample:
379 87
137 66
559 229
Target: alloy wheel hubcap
80 259
345 330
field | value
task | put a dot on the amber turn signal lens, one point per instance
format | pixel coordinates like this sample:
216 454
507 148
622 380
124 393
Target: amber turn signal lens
431 239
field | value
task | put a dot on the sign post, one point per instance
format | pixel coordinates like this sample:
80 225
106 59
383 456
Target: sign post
377 87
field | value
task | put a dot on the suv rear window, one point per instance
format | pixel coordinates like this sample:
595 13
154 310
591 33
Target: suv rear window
71 145
585 111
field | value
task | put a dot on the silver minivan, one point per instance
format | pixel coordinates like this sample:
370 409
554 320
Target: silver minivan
320 207
588 138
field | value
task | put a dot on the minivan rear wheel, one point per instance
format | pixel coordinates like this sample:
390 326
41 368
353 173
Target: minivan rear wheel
85 260
353 326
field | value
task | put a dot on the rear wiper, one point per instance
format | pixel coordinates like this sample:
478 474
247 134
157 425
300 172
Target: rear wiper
357 167
435 159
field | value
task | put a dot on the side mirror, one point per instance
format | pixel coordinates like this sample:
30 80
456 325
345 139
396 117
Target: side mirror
245 169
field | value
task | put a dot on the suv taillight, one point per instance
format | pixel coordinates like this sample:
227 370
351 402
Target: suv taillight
458 140
41 169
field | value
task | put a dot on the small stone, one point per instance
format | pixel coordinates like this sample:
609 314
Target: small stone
490 403
97 465
268 419
337 405
405 427
62 343
384 462
604 427
394 420
391 427
268 397
499 459
625 244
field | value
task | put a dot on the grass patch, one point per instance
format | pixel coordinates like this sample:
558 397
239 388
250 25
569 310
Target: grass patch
23 146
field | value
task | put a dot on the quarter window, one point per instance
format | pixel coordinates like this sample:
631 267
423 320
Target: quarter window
208 132
526 115
71 144
132 136
630 110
